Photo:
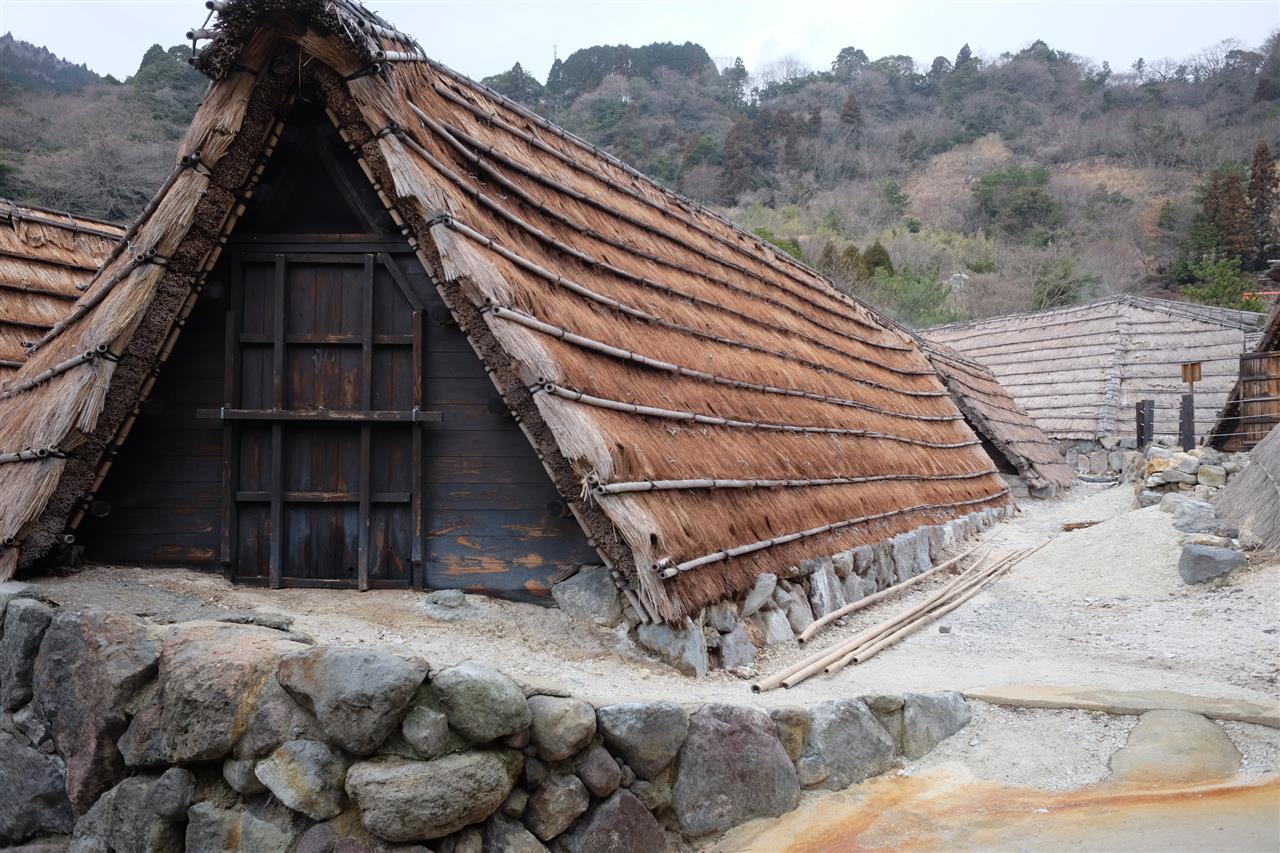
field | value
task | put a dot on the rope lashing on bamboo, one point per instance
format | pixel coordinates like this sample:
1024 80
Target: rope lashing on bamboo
586 292
643 281
713 420
782 262
712 483
627 355
33 454
85 305
451 135
672 571
101 351
15 217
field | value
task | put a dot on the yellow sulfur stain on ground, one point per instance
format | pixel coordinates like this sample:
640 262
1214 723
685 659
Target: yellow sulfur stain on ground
940 810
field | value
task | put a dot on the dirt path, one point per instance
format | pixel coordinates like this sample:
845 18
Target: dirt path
1101 607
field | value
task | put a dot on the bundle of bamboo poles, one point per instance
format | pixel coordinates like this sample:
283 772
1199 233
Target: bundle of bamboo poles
868 643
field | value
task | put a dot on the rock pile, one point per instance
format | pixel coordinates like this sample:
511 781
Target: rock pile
127 735
729 634
1210 548
1165 468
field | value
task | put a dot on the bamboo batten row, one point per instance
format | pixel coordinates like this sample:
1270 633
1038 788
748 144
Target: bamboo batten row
581 290
776 260
713 483
456 138
738 551
715 420
643 281
669 367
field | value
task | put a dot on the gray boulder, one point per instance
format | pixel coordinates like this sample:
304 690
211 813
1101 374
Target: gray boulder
930 718
599 772
1149 498
620 824
732 768
504 835
210 679
482 703
760 593
357 695
239 775
774 626
846 744
34 799
171 795
736 648
685 649
591 595
25 621
90 665
276 718
825 592
561 727
792 724
123 821
214 830
796 607
557 803
1193 516
1203 563
307 776
403 800
722 616
1214 476
426 730
646 734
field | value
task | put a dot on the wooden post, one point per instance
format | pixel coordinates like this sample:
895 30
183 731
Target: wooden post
1146 412
1187 422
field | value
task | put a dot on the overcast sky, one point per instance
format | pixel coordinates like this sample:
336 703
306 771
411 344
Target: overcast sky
482 37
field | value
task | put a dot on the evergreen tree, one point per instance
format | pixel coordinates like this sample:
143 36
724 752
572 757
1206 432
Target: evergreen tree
964 57
851 118
1262 200
851 266
877 258
815 121
828 261
734 79
1227 210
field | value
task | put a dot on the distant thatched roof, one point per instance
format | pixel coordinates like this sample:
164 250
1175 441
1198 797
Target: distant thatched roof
1252 499
44 255
997 417
1079 370
710 408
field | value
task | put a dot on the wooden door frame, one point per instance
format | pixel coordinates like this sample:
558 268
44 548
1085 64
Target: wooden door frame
338 252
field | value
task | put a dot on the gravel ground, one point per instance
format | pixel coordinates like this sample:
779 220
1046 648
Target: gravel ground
1098 607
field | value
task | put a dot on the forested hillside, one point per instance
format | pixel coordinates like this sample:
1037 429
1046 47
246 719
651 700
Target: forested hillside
961 187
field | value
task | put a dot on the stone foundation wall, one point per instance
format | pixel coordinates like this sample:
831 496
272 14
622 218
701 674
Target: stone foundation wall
120 734
729 634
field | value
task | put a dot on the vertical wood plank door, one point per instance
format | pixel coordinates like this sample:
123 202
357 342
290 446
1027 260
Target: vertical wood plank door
321 395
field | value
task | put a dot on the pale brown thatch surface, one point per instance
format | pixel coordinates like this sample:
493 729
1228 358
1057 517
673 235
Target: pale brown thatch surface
997 417
44 255
1252 500
1079 370
711 408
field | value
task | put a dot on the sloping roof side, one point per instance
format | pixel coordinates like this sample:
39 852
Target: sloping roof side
1228 424
1252 500
44 256
1079 370
993 413
712 409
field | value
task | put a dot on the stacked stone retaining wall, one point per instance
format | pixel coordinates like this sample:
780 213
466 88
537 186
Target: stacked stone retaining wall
117 734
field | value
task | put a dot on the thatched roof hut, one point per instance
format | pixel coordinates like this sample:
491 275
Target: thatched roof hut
1079 370
1008 432
707 408
1252 409
1252 499
44 256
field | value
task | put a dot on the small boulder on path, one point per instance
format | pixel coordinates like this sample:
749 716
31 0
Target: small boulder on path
1203 563
1175 748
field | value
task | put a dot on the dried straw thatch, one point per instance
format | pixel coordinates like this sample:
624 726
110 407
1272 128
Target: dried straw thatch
44 256
1229 429
710 408
1079 370
1252 500
998 418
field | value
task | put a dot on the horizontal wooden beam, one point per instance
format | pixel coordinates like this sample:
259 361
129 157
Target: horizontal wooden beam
350 416
317 497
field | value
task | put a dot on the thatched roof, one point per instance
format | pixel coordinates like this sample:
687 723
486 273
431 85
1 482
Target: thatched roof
1079 370
711 408
997 417
1252 499
44 256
